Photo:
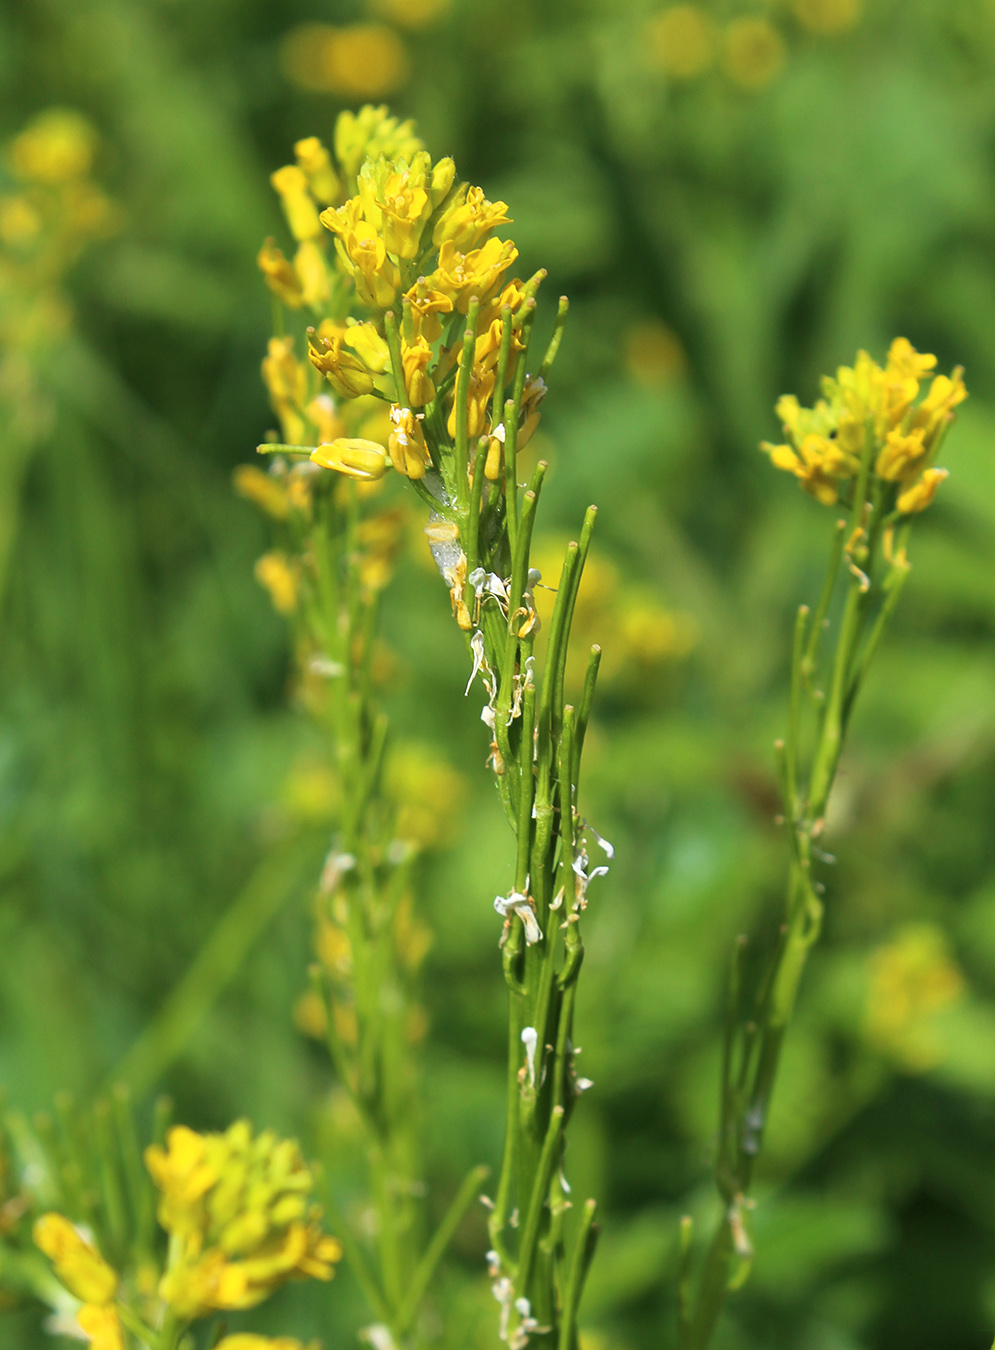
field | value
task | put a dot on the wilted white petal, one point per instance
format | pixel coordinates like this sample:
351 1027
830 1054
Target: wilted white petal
606 847
477 648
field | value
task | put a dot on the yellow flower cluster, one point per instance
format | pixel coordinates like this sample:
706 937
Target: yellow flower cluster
240 1218
49 212
872 413
410 242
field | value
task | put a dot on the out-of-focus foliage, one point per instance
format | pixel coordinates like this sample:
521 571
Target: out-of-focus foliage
736 196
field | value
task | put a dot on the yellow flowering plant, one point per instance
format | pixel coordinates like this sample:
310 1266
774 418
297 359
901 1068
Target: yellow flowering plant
236 1220
414 315
868 448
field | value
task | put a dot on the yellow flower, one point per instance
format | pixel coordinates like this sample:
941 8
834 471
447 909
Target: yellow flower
811 465
363 253
274 571
754 53
237 1210
359 61
427 307
406 206
913 978
263 489
371 348
286 379
936 409
828 16
370 134
906 362
900 456
511 296
408 451
20 223
57 147
533 394
315 163
353 456
415 358
680 40
309 264
463 276
101 1326
469 220
863 399
279 275
487 349
77 1262
495 458
481 387
921 493
348 375
298 204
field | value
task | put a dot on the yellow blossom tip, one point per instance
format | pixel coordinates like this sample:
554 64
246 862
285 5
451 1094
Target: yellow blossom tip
353 456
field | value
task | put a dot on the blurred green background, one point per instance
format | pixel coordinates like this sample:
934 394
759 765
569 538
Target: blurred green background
735 196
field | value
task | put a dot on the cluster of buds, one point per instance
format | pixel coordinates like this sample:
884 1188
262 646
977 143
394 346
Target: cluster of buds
240 1216
872 414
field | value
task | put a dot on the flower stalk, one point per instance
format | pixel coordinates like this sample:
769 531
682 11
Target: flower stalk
871 443
419 313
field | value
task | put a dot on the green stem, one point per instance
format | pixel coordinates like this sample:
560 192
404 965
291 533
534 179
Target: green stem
822 608
463 404
544 1172
791 748
216 964
410 1303
587 1237
556 339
